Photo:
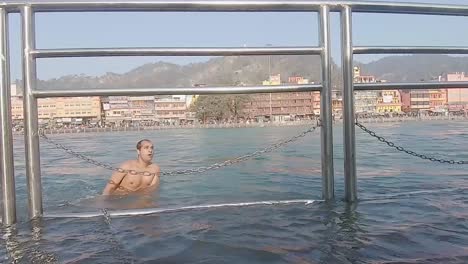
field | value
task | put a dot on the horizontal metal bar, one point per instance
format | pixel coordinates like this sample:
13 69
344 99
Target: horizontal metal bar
205 51
410 50
176 91
148 211
173 6
239 6
408 8
405 86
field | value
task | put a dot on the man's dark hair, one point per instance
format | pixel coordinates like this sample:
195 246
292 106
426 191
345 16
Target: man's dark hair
138 145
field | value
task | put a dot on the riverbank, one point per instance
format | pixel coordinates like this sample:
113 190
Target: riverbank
244 125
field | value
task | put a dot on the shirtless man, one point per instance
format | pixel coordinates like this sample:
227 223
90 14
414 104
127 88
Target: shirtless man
140 175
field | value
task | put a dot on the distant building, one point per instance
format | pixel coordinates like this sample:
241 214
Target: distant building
62 109
438 100
283 106
420 100
457 98
273 80
405 101
172 109
116 110
337 103
457 95
142 108
364 101
389 101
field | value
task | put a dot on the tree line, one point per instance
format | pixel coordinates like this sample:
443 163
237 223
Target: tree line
221 107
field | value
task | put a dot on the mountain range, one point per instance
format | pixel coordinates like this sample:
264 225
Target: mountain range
252 70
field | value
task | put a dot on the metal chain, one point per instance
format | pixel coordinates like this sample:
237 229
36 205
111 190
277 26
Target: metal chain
180 172
107 217
402 149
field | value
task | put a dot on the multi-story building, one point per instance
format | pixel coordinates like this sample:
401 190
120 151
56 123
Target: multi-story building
337 103
438 100
457 98
457 95
420 100
388 101
173 109
405 97
116 110
61 109
142 109
279 106
282 105
364 101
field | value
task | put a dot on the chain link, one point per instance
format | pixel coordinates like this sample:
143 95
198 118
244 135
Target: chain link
407 151
214 166
107 217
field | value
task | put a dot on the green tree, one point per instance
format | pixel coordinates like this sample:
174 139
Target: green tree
220 107
236 105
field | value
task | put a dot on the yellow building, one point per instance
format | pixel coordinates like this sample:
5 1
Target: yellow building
273 80
61 108
389 101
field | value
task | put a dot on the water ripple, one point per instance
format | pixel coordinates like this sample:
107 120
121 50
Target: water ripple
410 210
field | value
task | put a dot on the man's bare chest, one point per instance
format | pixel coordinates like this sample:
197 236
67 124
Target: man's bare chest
137 180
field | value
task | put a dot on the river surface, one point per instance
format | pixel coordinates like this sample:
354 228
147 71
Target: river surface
409 210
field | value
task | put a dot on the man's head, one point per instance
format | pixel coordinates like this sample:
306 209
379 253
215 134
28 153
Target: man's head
145 150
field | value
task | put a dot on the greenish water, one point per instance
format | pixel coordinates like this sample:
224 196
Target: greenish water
410 210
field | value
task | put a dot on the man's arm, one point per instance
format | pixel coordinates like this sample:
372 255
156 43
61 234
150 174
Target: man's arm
155 182
157 171
114 181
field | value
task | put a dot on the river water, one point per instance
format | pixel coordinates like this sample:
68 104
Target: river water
409 210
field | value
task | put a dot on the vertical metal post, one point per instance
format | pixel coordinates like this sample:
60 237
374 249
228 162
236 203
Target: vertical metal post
348 106
328 191
6 141
31 137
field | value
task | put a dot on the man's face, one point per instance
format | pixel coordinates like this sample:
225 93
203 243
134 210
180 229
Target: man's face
146 151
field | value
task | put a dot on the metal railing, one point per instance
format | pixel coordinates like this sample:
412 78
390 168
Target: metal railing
346 8
30 54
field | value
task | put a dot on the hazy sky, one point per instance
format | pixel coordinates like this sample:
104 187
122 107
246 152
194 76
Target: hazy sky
94 30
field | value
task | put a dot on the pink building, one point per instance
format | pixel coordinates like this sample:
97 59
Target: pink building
457 95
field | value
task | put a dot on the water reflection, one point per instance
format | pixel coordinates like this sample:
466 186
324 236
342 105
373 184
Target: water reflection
27 248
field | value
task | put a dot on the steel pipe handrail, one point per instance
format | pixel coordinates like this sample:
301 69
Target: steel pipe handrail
7 167
164 51
410 85
31 125
347 8
239 6
176 91
326 134
409 50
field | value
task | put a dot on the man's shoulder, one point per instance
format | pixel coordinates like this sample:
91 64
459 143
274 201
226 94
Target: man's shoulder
154 167
128 164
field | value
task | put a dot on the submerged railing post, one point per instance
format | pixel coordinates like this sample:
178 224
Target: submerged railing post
31 136
7 161
348 106
328 191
